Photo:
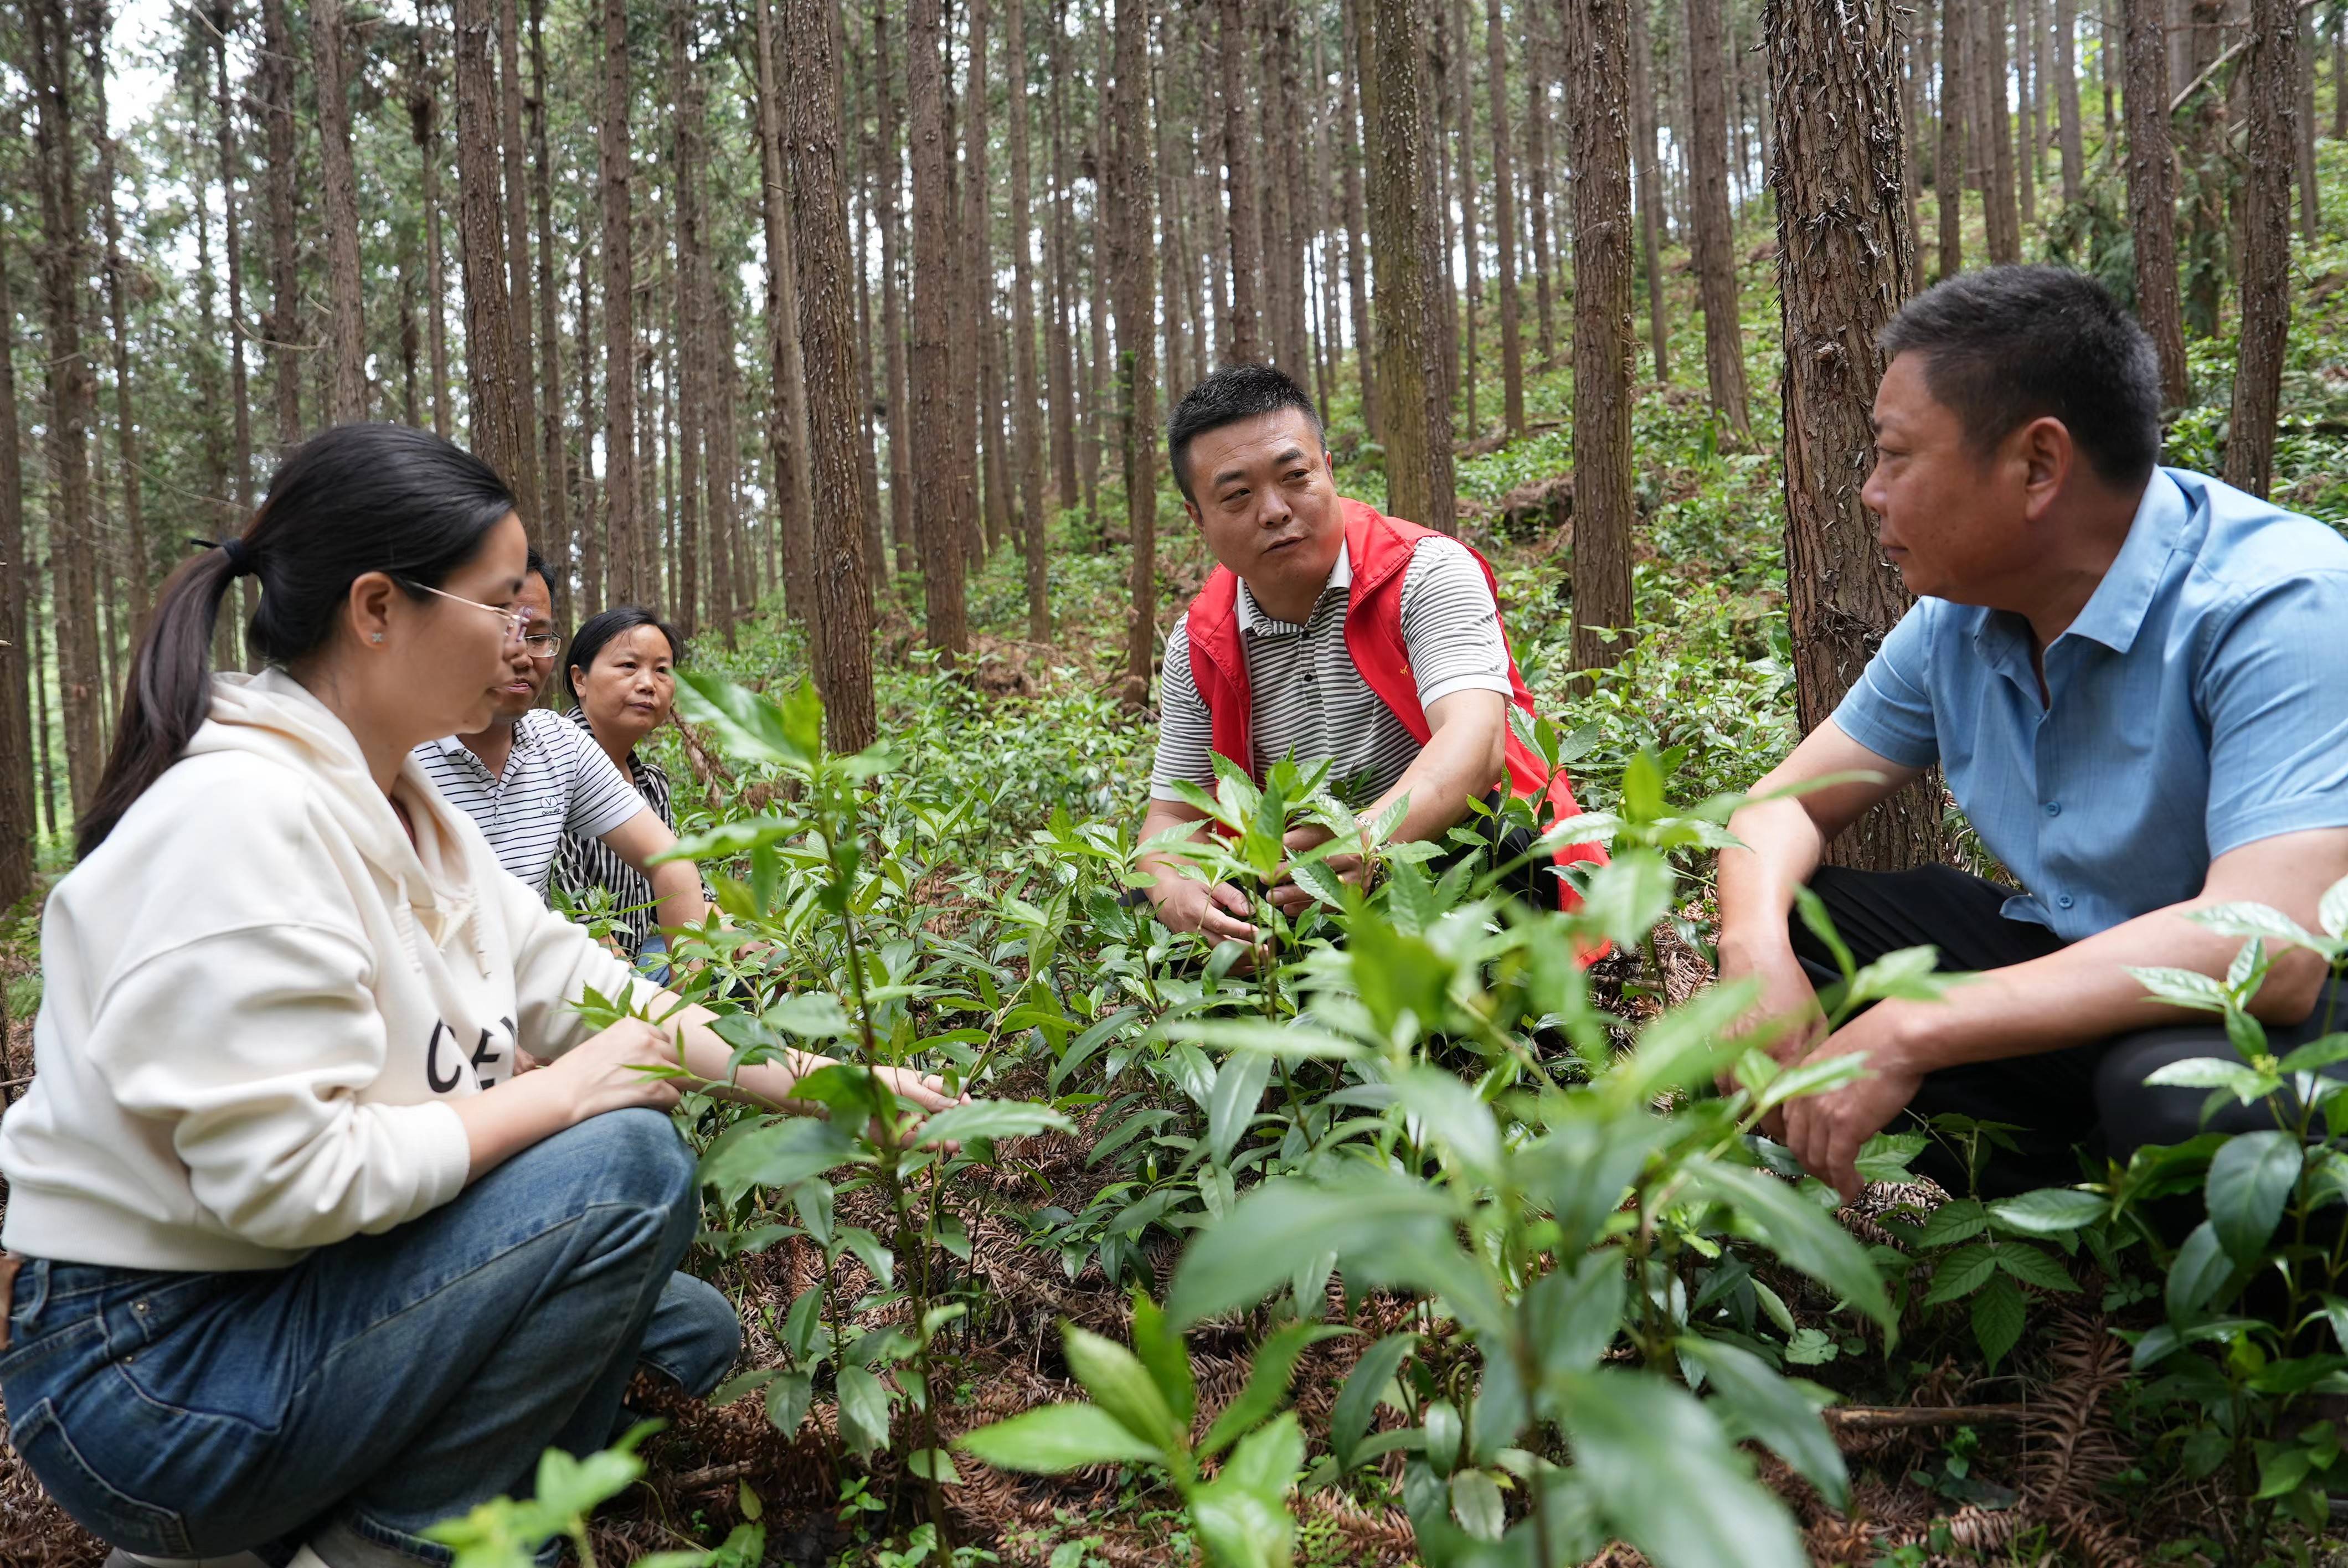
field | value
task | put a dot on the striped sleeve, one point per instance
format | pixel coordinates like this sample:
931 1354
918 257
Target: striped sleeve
1186 733
602 798
1450 624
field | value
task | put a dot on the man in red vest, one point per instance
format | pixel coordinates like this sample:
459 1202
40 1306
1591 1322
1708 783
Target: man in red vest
1331 633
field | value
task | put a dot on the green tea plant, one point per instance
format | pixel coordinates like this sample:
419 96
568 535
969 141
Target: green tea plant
506 1533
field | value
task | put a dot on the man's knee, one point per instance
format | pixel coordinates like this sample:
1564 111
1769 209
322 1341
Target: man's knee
2136 1114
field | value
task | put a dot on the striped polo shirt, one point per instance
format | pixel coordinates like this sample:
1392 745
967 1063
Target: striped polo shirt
1306 697
557 780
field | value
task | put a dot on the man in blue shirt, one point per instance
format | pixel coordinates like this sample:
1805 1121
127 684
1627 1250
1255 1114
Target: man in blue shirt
2126 673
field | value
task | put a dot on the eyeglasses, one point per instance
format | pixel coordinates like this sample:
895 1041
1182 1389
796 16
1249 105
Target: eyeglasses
517 622
544 645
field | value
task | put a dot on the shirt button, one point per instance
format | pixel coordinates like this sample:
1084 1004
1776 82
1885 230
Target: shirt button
2053 808
2064 901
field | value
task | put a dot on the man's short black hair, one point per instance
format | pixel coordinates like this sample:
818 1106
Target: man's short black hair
536 567
2006 345
1234 392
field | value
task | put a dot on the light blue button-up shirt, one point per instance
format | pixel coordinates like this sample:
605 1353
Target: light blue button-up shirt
2199 704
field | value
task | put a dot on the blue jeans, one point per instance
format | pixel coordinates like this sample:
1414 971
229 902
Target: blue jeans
381 1385
652 958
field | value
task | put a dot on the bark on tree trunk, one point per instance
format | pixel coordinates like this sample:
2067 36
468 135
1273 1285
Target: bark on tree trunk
2152 193
1949 163
2026 120
1844 266
689 98
1026 437
424 127
788 455
1598 36
502 432
592 539
1060 353
1357 280
1414 403
2207 130
345 323
933 400
1651 244
1467 305
1504 223
2303 128
626 558
1538 77
1132 234
18 824
72 389
842 590
517 229
892 303
1244 341
117 292
554 505
2270 90
1714 234
2066 98
280 329
2005 237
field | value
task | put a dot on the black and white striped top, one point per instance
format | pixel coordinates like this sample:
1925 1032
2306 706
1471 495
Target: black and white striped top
1307 696
585 864
557 780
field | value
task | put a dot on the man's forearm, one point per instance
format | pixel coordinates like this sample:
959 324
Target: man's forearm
1781 849
2084 993
1449 770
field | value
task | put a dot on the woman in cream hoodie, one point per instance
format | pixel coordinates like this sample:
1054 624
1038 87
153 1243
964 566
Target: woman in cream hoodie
306 1266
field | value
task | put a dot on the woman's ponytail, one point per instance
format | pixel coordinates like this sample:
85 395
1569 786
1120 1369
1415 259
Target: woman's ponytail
168 689
354 499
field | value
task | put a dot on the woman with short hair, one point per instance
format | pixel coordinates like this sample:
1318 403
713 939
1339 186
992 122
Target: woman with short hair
301 1265
621 676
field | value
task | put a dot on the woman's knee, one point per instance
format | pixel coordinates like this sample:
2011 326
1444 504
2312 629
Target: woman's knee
695 1336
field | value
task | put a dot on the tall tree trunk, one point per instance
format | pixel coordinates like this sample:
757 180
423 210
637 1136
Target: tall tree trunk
1026 438
502 432
2028 118
2340 79
1598 36
519 292
1844 265
1715 236
2271 92
282 328
933 400
1643 133
2152 193
1413 404
72 389
2207 162
1537 75
18 824
594 541
789 456
1459 73
690 98
625 560
1949 163
1990 90
2067 98
1357 279
347 398
1060 352
2303 128
1244 341
892 302
989 524
868 406
424 127
554 507
1132 235
1282 293
1503 226
842 592
126 418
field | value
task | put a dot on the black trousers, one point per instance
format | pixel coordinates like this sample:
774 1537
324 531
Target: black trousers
2089 1098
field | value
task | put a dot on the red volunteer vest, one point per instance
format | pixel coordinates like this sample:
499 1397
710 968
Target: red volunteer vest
1379 548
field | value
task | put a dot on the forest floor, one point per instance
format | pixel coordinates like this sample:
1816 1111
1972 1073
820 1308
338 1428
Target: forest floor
2040 1458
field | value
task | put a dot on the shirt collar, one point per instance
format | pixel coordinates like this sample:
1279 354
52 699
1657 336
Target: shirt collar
1254 618
523 741
2114 612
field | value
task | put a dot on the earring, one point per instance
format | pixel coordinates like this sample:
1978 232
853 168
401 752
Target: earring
376 638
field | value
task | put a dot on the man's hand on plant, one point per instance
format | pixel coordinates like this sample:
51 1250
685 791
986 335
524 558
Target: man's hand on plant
1293 900
1826 1131
1218 912
1786 995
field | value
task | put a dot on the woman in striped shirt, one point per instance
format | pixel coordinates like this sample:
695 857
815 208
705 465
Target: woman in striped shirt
622 677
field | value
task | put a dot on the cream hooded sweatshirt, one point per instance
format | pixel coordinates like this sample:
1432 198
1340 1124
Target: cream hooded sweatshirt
260 1000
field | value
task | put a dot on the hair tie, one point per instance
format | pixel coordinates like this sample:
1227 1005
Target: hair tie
239 554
